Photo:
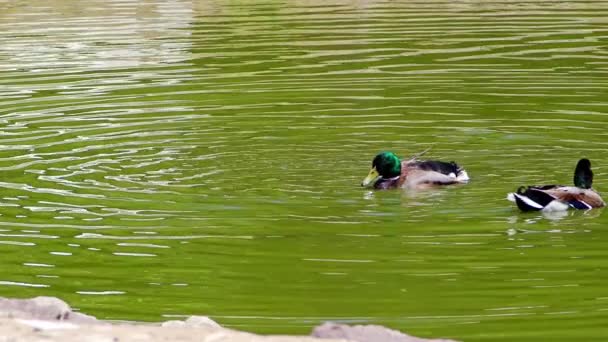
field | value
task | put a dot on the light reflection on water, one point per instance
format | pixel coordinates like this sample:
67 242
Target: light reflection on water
205 158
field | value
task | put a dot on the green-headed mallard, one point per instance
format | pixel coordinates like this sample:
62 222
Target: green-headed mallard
560 197
389 172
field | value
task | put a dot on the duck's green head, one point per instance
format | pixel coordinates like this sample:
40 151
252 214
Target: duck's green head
583 176
385 165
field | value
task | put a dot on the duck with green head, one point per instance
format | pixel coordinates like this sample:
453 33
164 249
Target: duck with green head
389 172
560 197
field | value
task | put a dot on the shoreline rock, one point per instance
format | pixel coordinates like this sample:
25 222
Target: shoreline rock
51 319
42 308
366 333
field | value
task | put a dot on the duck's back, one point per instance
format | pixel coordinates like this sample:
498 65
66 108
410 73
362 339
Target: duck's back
435 165
534 198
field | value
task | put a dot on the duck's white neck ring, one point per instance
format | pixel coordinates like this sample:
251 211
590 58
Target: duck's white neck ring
390 179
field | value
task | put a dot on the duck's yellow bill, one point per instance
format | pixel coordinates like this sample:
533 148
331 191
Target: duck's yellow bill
371 177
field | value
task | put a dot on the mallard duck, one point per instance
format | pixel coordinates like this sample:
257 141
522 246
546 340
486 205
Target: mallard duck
560 197
389 172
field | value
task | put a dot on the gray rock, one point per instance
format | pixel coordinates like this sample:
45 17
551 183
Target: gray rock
173 324
192 321
201 321
45 319
366 333
42 308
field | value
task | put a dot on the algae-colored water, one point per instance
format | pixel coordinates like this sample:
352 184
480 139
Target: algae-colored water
172 158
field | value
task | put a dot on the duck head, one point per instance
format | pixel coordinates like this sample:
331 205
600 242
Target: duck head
385 165
583 176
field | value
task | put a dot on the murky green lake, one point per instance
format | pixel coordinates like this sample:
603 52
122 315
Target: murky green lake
161 159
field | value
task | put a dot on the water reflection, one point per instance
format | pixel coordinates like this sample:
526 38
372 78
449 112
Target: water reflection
570 216
101 35
100 293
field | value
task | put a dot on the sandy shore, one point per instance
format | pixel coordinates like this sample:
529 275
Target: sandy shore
51 319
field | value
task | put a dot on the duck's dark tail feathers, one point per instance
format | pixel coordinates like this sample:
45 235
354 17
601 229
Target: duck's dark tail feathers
530 199
583 176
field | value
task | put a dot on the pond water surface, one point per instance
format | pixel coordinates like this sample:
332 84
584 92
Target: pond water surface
161 159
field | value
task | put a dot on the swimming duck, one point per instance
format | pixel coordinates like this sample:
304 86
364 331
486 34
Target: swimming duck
389 172
560 197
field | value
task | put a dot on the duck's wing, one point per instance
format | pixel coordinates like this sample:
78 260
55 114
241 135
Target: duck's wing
532 198
424 179
437 166
556 197
449 172
417 178
577 197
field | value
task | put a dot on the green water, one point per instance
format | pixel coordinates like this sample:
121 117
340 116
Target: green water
161 159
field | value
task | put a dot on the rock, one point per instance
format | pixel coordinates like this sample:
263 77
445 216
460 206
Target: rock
173 324
19 330
48 319
48 308
202 321
40 325
192 321
366 333
41 308
78 317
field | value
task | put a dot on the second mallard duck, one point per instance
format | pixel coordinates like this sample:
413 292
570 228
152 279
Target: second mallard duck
389 172
560 197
